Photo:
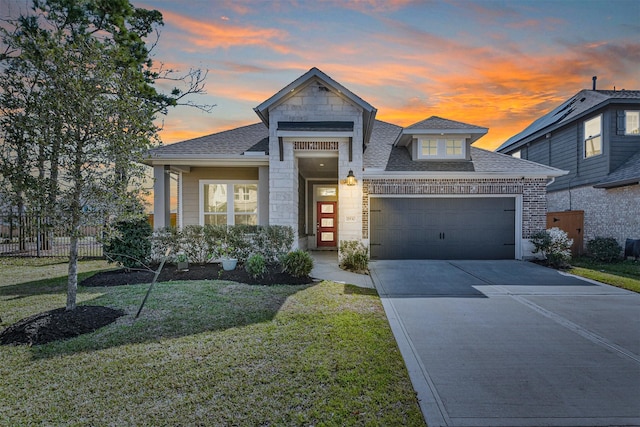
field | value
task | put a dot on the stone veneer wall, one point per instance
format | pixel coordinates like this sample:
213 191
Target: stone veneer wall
611 212
533 193
312 103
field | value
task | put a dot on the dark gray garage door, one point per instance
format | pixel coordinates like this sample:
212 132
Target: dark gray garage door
442 228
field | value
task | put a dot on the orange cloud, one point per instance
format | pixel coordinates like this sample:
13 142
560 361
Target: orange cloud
212 35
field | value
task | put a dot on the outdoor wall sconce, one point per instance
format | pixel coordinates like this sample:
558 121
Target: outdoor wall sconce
351 179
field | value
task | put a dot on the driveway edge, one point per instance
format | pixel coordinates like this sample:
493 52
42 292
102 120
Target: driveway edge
431 405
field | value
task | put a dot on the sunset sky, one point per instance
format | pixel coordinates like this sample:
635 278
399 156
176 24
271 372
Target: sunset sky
497 64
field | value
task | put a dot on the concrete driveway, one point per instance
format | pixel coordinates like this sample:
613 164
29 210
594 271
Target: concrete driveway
511 343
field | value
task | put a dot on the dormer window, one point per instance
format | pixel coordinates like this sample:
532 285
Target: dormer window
429 148
454 147
441 148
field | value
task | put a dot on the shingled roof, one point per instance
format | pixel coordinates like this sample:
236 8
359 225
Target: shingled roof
628 173
435 123
382 154
233 142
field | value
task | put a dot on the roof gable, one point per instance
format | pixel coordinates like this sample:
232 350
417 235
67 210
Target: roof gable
438 123
313 75
435 125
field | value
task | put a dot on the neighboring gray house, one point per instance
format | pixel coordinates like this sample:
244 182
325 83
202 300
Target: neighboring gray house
319 161
595 135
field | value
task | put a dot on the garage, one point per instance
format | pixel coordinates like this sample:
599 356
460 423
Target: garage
442 228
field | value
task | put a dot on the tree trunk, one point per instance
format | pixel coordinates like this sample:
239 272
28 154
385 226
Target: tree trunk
76 215
72 282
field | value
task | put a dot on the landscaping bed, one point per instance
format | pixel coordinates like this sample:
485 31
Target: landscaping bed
57 324
210 271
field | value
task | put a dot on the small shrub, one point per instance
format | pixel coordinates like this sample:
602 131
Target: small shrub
605 249
555 246
297 263
256 266
130 244
354 256
161 240
194 244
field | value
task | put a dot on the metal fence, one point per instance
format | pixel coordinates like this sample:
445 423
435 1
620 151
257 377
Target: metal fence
29 235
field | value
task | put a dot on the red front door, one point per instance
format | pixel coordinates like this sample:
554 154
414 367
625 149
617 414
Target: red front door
327 227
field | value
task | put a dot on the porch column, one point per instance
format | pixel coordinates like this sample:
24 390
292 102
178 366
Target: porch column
161 197
350 197
263 195
283 187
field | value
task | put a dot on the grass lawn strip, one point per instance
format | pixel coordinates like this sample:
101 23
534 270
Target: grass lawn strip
625 274
214 352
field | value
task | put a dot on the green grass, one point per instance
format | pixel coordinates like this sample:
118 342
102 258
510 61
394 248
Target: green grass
211 353
624 274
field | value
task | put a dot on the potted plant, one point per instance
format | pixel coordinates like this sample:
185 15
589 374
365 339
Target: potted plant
182 262
228 262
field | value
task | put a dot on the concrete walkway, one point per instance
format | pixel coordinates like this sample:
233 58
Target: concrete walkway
511 343
325 266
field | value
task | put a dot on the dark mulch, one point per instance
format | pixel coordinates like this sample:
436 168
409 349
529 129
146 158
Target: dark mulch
209 271
59 324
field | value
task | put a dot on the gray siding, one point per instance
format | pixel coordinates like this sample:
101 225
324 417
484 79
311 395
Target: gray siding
622 146
539 151
565 149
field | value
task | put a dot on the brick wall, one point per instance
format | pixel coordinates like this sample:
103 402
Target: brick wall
607 212
533 193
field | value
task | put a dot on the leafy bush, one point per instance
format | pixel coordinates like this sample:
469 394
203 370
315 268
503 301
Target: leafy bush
201 244
555 246
256 266
161 240
129 245
354 256
605 249
194 244
297 263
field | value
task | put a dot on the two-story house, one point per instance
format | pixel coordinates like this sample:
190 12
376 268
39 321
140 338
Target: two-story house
595 135
320 162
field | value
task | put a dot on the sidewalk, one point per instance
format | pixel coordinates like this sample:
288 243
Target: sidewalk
325 266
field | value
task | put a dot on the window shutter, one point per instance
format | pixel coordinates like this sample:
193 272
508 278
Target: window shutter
620 122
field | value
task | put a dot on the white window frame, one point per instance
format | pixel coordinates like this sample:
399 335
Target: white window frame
231 219
442 148
517 154
587 138
627 114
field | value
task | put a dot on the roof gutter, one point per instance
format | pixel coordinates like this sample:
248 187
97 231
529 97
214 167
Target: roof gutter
463 175
218 161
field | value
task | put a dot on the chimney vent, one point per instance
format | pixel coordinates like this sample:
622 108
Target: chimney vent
594 78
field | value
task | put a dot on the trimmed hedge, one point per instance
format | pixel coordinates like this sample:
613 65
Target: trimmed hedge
203 244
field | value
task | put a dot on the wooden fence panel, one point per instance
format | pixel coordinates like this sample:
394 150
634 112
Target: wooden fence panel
571 222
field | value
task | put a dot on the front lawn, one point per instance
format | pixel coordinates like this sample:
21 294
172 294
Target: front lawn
624 274
210 353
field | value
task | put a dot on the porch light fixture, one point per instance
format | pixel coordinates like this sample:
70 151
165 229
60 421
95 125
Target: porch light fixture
351 179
